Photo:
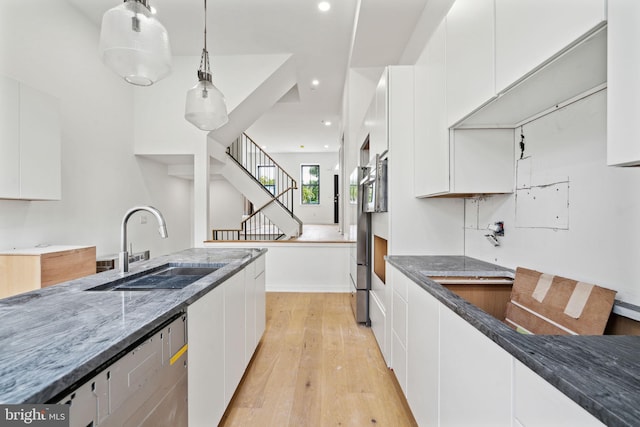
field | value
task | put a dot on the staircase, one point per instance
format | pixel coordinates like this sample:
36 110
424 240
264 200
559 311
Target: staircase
269 187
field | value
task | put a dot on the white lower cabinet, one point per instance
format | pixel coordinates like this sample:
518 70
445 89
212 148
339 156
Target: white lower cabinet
255 306
221 325
261 299
454 375
206 359
377 314
399 333
234 333
423 354
250 310
475 376
538 403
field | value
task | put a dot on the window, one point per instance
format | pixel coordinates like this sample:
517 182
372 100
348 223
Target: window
267 177
310 191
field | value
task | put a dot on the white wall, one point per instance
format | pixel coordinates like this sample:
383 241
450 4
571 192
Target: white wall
48 45
601 243
226 205
291 162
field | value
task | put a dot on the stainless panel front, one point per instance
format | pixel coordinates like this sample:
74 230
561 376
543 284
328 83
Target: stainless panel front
360 304
143 388
362 282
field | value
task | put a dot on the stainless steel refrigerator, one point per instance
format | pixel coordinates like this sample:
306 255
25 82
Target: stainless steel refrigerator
362 284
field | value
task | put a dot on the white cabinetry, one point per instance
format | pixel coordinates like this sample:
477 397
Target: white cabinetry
30 166
415 346
378 140
529 32
470 57
457 162
399 327
260 299
221 325
538 403
454 375
234 333
206 359
475 376
431 142
9 138
423 353
623 91
378 316
482 161
255 303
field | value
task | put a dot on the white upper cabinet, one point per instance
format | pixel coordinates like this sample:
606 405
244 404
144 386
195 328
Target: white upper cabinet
456 162
529 32
379 138
9 138
431 135
623 90
30 165
470 77
40 163
482 161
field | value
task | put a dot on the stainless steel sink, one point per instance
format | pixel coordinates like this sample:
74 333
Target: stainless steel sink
168 276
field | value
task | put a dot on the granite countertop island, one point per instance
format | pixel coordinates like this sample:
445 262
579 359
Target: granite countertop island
52 338
600 373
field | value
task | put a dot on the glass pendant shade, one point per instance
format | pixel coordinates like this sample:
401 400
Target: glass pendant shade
206 108
134 44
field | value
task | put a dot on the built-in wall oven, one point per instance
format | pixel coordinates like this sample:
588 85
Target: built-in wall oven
374 186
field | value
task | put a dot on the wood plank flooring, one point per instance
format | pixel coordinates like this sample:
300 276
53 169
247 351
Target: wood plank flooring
316 367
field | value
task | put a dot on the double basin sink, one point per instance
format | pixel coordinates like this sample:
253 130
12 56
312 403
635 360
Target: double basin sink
167 276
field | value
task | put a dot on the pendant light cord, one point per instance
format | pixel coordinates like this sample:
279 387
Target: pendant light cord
205 25
204 73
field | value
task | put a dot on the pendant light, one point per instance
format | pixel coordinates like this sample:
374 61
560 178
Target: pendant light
134 44
205 107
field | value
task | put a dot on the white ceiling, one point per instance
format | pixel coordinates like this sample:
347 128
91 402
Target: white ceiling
353 33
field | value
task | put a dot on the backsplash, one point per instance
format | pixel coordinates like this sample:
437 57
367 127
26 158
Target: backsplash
571 215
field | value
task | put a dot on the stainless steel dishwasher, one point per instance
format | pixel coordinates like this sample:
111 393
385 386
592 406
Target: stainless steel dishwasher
145 387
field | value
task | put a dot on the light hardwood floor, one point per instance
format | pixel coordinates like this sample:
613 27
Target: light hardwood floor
316 367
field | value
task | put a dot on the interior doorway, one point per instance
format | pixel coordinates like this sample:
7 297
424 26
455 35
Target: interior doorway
336 199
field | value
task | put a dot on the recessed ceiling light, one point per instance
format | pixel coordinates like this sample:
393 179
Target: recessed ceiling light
324 6
326 122
326 146
315 82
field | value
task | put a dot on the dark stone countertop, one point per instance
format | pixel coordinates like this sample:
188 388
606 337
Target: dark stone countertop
52 338
600 373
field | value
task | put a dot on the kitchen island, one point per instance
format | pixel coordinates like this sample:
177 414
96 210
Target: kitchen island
54 338
600 374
